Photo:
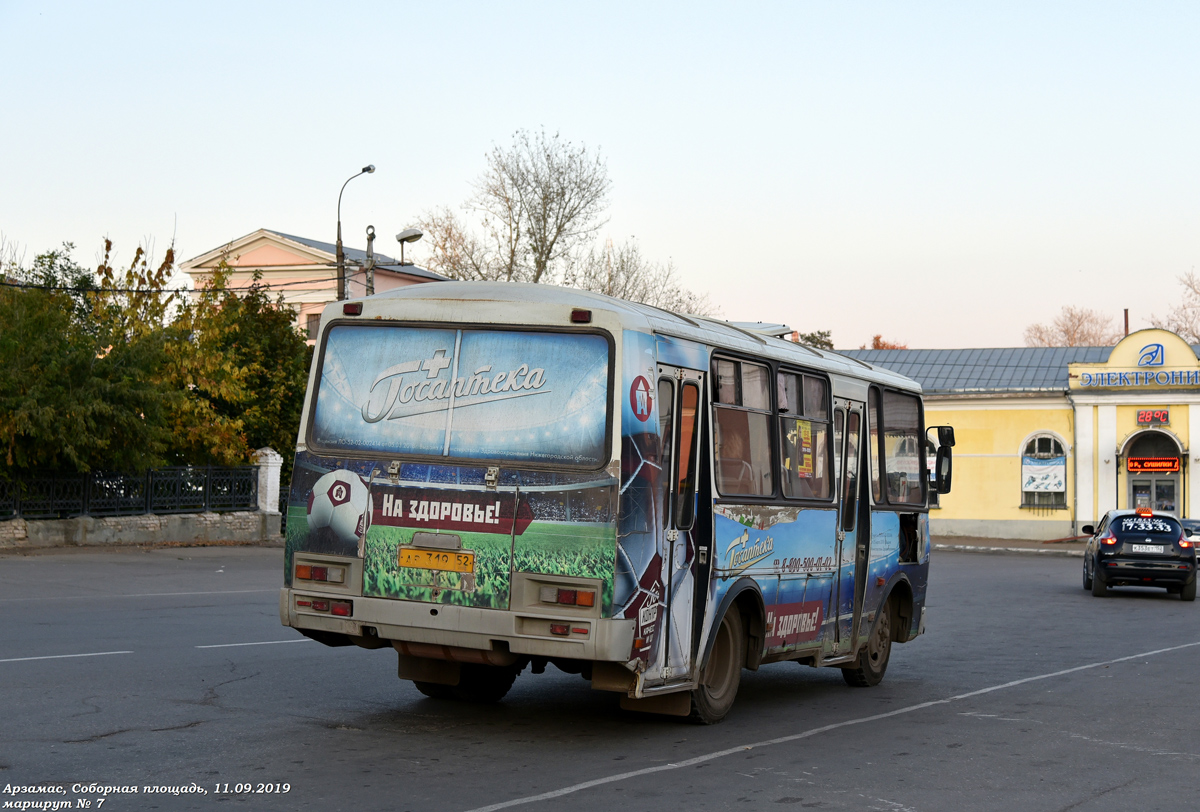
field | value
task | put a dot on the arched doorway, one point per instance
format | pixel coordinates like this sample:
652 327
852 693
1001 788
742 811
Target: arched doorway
1155 473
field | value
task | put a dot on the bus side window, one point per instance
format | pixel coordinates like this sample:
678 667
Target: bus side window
742 429
902 451
873 447
850 494
803 436
685 490
666 434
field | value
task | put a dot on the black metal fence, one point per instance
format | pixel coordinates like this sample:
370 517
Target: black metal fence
160 490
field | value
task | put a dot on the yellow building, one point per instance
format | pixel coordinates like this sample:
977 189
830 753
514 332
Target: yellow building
1050 438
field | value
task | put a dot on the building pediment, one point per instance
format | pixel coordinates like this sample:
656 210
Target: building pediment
261 249
1143 361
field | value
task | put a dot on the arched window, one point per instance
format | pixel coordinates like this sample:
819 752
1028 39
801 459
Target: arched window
1043 473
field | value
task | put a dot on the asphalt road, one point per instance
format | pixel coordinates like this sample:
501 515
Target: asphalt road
982 712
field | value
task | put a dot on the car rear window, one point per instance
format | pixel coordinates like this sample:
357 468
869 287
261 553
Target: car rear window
1146 526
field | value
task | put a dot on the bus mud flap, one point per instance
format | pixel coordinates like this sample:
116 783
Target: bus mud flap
676 704
612 677
423 669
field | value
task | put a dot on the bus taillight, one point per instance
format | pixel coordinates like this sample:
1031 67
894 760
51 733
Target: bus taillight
567 597
341 608
330 575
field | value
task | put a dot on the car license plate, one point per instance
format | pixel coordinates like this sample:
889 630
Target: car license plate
449 561
1147 548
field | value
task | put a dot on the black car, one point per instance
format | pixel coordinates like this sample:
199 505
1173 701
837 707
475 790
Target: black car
1140 548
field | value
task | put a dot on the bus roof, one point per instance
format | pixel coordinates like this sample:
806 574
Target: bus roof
706 330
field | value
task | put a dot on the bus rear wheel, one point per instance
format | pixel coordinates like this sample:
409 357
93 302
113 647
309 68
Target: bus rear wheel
722 675
434 690
477 683
872 661
484 683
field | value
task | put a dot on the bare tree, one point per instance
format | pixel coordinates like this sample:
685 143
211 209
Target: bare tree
454 250
1074 327
12 257
1184 318
546 193
539 201
624 273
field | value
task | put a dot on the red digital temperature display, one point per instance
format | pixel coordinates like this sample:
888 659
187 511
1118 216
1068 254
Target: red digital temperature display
1154 417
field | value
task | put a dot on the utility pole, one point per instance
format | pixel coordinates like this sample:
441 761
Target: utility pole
370 268
341 256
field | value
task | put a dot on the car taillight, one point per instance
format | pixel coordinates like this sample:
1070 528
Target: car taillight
1184 542
1108 538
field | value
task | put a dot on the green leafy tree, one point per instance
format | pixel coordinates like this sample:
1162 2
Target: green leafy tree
114 370
244 367
75 393
821 339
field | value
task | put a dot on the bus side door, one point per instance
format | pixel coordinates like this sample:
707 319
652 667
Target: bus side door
851 554
679 398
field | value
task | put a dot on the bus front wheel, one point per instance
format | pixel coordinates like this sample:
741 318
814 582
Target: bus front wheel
872 661
718 687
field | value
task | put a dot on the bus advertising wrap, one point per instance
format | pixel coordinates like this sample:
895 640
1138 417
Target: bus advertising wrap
467 394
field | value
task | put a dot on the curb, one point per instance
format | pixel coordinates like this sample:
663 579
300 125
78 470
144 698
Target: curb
971 548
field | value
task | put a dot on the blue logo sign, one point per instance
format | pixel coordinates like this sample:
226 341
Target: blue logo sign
1152 356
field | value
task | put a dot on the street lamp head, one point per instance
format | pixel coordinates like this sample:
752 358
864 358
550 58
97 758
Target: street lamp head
369 169
409 235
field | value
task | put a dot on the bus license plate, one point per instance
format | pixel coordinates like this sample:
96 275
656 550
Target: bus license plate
448 561
1147 548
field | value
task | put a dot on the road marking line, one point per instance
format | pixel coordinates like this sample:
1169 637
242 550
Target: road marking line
64 656
263 643
138 595
691 762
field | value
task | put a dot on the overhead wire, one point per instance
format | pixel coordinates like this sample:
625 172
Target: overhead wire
268 286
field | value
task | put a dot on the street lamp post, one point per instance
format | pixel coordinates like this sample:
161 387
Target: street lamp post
341 257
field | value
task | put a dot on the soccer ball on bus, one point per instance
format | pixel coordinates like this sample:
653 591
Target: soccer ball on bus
340 501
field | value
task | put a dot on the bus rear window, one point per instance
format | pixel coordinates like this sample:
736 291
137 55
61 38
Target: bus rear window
508 396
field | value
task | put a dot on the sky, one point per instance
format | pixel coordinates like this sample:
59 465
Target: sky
943 174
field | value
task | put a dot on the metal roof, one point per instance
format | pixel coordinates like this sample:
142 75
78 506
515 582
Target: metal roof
1001 369
356 256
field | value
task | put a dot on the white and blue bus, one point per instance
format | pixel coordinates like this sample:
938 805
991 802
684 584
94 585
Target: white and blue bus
491 477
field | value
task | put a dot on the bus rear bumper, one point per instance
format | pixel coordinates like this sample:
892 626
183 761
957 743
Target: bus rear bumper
528 633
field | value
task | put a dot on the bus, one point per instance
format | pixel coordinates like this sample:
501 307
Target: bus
491 477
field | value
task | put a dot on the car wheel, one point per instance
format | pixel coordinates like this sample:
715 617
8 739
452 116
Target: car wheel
1099 588
1087 579
872 661
1188 593
722 675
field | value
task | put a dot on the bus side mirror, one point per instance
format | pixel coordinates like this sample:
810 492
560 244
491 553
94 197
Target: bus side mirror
945 435
944 467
